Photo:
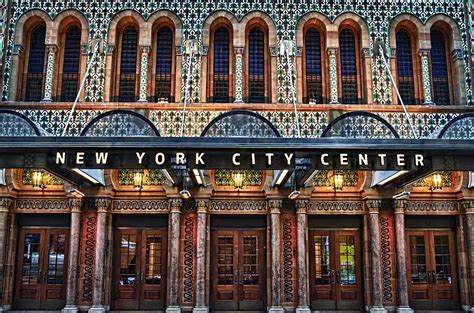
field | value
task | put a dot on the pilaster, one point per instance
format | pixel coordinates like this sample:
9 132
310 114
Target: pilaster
275 209
238 82
301 235
425 76
202 206
469 210
173 277
48 82
333 77
5 204
145 52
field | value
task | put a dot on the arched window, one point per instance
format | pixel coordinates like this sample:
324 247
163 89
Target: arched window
314 81
348 61
70 75
439 70
164 63
128 65
406 82
221 82
34 77
256 66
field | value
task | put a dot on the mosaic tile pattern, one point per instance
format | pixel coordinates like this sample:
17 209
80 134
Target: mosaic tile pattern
252 178
151 177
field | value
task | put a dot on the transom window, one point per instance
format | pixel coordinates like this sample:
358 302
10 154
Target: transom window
128 65
256 77
34 77
347 44
439 68
164 61
70 77
221 65
314 82
406 84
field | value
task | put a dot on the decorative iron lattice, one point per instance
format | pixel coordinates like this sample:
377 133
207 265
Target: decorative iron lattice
48 179
252 178
360 125
447 180
462 128
12 125
120 124
151 177
324 178
236 124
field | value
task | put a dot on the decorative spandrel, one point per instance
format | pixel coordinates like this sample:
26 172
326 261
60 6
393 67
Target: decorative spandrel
461 127
427 182
252 178
14 124
325 178
48 179
151 177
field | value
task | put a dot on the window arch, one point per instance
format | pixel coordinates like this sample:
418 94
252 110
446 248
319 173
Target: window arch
349 67
405 72
71 62
313 66
128 65
256 65
440 68
220 72
163 76
35 64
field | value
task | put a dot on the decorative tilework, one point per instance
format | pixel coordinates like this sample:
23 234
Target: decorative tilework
325 178
334 94
447 180
48 83
239 87
425 73
151 177
48 179
144 74
252 178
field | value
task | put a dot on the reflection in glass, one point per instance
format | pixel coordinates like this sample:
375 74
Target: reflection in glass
347 260
30 270
128 263
322 260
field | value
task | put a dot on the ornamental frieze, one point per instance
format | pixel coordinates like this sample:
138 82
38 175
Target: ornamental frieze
56 205
140 206
238 206
432 207
335 206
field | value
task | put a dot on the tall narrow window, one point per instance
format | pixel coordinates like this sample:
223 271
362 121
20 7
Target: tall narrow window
256 69
406 83
439 68
347 44
314 81
164 61
128 65
70 77
221 65
34 77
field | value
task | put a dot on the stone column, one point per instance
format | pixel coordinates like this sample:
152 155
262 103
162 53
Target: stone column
375 256
202 206
275 246
73 261
401 250
145 52
302 274
48 82
102 205
469 209
173 285
425 76
4 208
333 82
15 79
239 81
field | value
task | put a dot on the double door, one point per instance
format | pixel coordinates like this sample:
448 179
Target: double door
335 270
237 270
140 269
42 269
432 279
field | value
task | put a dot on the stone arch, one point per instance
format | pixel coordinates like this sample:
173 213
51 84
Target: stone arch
308 18
178 25
121 18
221 14
65 18
356 22
414 25
239 39
450 26
25 19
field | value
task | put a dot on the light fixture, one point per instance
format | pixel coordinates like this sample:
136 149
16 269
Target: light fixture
437 182
238 177
37 179
294 195
338 181
138 180
185 194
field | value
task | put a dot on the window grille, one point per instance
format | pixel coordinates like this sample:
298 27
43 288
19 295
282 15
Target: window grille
439 68
314 85
256 75
221 66
164 56
406 83
34 77
72 50
128 65
347 43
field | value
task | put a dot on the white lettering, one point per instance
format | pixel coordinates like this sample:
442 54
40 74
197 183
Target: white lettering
101 157
234 159
343 159
324 159
382 159
269 158
400 160
419 160
288 158
80 158
199 157
180 158
60 157
159 158
363 159
140 157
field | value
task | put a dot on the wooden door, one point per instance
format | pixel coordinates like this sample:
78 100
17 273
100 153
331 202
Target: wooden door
42 269
139 269
238 270
335 273
432 279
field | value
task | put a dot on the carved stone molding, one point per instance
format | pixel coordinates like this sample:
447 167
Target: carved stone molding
102 204
275 206
239 50
238 206
110 49
5 204
469 206
140 206
61 205
365 53
374 205
332 51
175 205
399 206
75 205
202 205
300 206
335 206
18 50
205 50
456 54
432 206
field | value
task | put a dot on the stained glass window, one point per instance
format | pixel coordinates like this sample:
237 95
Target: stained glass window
406 83
221 65
314 86
34 77
72 50
347 44
256 69
128 65
439 68
164 55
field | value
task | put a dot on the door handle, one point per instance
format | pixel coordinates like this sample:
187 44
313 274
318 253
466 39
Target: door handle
236 278
241 278
338 277
142 278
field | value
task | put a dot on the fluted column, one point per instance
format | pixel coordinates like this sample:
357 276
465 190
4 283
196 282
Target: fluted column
333 82
173 282
48 82
425 76
73 261
4 208
202 207
469 209
145 52
375 256
102 205
301 265
275 246
239 82
401 250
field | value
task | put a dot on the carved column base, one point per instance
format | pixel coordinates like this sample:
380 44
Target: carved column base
303 310
276 309
70 309
202 309
173 309
404 309
97 309
378 309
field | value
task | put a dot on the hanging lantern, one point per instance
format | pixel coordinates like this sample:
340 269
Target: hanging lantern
238 177
338 181
138 180
437 182
37 179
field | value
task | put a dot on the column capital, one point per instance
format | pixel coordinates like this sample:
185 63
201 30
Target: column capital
424 52
300 206
374 205
110 49
468 206
102 204
175 205
456 54
332 51
17 49
399 206
5 204
145 49
275 205
239 50
365 52
75 204
202 205
51 48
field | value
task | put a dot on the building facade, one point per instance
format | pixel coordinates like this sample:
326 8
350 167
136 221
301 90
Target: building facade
352 239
